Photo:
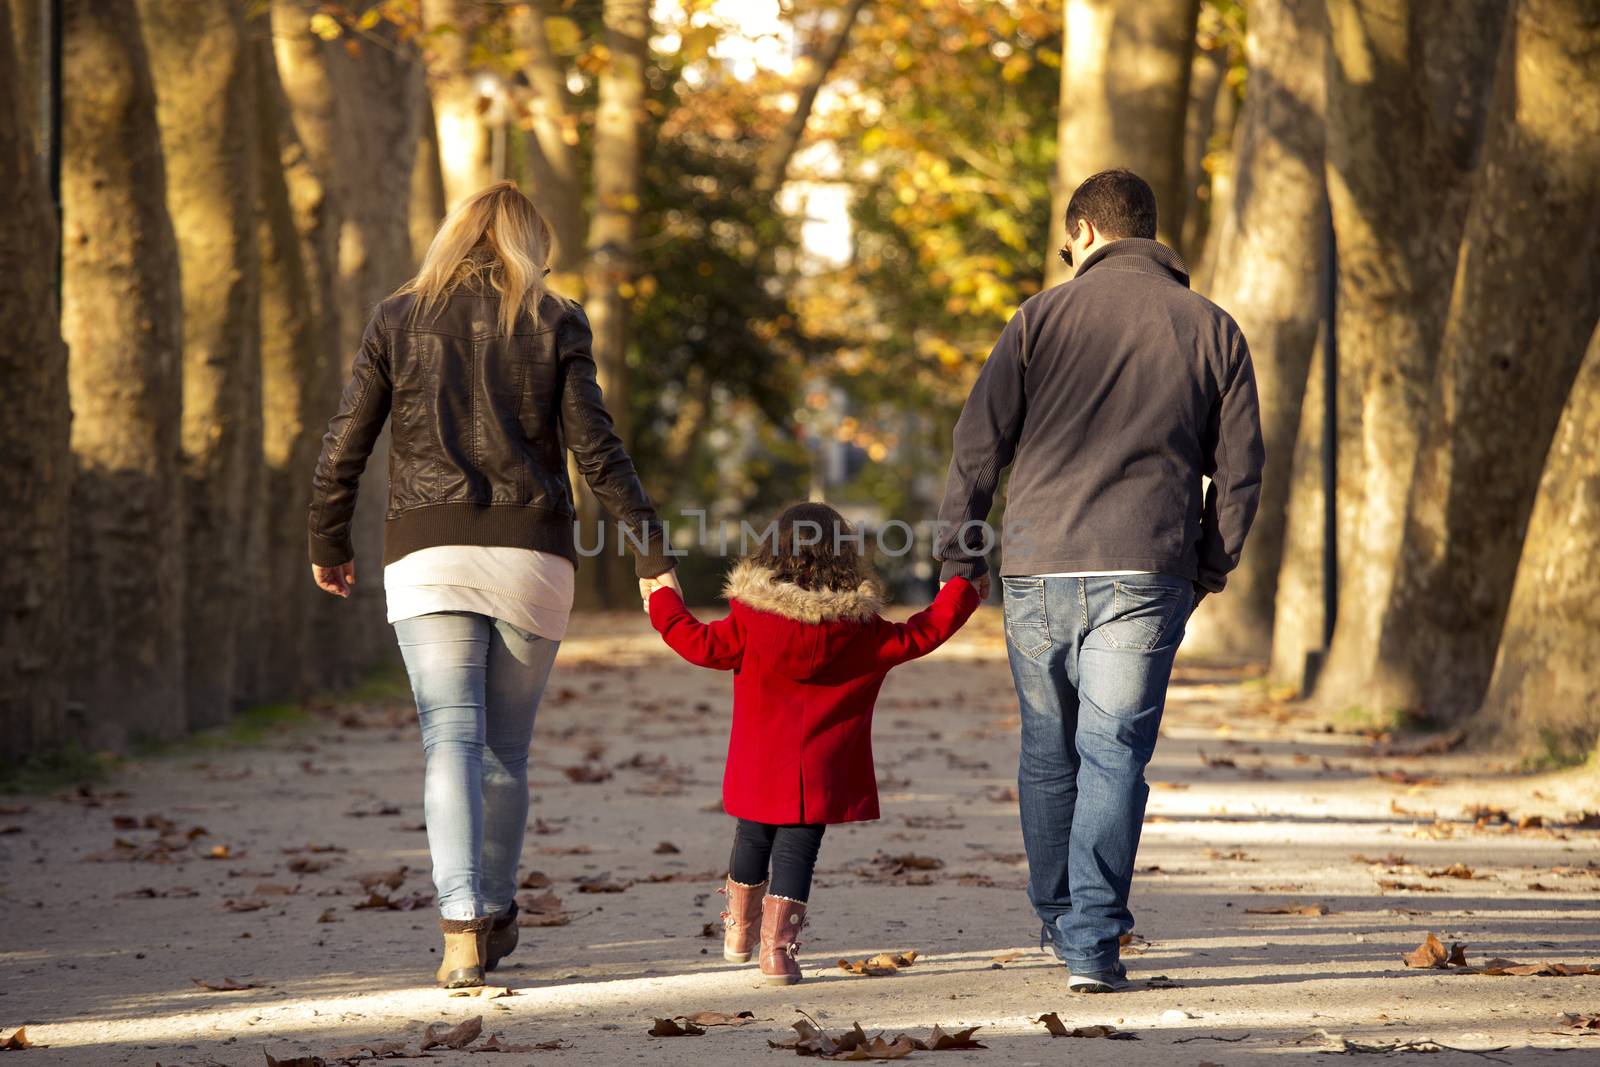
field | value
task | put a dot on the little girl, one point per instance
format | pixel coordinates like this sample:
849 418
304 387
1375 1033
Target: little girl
809 651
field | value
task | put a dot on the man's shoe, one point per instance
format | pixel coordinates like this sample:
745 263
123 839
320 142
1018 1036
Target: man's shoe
1096 983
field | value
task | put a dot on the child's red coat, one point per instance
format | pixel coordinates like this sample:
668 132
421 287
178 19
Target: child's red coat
807 668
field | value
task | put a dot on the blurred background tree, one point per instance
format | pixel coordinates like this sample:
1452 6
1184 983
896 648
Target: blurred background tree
798 226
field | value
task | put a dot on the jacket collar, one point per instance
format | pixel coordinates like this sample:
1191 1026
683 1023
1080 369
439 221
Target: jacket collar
756 587
1139 254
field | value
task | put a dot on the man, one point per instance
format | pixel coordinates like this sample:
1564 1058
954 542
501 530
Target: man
1110 395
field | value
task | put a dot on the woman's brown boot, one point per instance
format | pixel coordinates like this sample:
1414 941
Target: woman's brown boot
782 920
462 965
501 939
741 923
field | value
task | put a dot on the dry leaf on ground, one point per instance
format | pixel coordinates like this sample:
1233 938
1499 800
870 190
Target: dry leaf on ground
440 1035
1498 967
293 1061
17 1041
718 1018
227 985
485 992
1432 953
672 1028
1586 1023
587 773
377 1050
1409 887
542 910
1052 1022
243 904
1455 870
1290 909
372 880
884 963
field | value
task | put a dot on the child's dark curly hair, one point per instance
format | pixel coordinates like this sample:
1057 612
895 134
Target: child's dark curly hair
812 546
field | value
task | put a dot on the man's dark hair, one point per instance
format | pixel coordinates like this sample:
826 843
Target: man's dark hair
1118 202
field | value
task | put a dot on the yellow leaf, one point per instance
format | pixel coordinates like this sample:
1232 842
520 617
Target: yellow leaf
564 34
325 26
369 18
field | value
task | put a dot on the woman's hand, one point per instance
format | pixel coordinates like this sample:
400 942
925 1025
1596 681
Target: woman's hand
335 580
668 580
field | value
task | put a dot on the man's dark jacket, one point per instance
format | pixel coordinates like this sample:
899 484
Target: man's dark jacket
481 427
1110 395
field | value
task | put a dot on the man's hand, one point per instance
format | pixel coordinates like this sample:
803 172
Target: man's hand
335 580
667 580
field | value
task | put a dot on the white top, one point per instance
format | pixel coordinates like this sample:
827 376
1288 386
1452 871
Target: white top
1089 574
523 586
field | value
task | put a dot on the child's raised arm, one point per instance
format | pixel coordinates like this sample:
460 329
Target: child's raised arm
928 628
719 645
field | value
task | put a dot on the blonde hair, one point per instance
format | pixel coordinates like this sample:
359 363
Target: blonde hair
495 236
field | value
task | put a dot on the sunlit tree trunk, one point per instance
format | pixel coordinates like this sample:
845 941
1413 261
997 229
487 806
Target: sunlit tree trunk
122 318
1532 244
458 102
1124 94
427 185
358 117
1544 694
296 356
36 477
203 88
1406 101
1271 247
551 147
618 159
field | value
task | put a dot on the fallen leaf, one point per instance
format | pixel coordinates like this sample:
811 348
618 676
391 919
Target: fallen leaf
485 992
18 1041
1410 887
1007 957
378 1050
1052 1022
602 883
227 985
718 1018
329 916
243 904
1432 953
437 1036
1580 1022
672 1028
667 848
1290 909
884 963
1393 859
1455 870
386 879
308 865
297 1061
587 773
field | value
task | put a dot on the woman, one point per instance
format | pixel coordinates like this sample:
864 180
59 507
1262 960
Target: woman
489 378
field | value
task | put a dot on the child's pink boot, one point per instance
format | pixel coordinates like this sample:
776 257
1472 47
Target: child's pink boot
741 923
782 920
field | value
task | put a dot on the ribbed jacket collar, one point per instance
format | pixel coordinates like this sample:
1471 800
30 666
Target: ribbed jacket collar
1137 253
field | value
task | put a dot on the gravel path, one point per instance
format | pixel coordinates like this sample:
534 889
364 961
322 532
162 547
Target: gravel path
245 866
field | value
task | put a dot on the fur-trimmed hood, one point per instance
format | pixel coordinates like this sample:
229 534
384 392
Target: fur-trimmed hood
755 586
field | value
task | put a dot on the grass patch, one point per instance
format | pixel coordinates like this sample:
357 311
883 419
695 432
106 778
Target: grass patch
57 769
70 765
1356 719
1557 750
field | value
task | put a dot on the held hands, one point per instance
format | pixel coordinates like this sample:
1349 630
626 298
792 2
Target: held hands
668 580
980 585
335 580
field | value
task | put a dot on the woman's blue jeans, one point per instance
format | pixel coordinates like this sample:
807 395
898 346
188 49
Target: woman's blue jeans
477 682
1091 658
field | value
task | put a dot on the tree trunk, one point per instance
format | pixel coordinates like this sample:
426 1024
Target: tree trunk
1124 94
358 116
1532 244
774 162
35 416
28 45
428 206
122 318
1297 626
1271 249
618 158
1207 90
552 147
1544 695
458 104
199 62
297 353
1397 169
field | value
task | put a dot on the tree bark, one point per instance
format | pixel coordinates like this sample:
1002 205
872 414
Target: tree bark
618 159
1297 625
35 418
296 355
428 206
122 318
27 62
358 115
551 152
1271 245
458 105
1124 93
1398 169
1544 695
1532 244
199 61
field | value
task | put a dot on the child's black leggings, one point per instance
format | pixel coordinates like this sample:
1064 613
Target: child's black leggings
791 852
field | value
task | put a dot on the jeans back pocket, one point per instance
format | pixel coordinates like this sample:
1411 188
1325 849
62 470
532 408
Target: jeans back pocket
1141 614
1027 618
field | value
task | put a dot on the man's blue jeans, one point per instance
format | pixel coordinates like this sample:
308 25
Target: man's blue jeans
477 682
1091 658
